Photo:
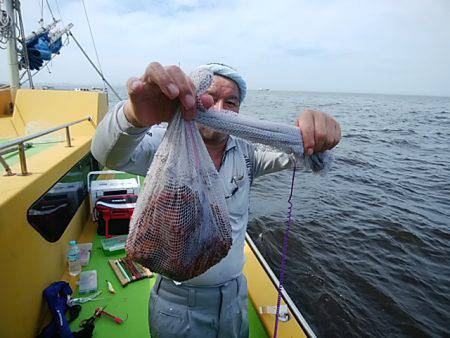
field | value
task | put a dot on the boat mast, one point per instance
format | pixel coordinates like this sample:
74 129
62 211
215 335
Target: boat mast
12 50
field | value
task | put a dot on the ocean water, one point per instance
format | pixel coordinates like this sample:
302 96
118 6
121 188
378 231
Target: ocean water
369 251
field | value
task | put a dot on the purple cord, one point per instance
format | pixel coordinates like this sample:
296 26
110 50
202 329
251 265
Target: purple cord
283 257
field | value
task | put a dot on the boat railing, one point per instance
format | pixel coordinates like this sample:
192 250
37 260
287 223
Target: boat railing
19 144
289 302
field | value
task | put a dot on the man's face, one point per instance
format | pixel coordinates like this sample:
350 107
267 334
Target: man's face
225 94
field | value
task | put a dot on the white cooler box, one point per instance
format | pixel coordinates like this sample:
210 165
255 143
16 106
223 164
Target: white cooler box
100 188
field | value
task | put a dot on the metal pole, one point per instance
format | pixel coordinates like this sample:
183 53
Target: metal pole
32 75
56 35
41 31
23 160
24 46
95 67
69 142
12 51
6 166
17 141
13 148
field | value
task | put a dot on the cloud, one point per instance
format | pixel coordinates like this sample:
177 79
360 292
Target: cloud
363 46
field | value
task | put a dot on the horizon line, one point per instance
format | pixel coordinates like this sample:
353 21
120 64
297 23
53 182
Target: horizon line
100 85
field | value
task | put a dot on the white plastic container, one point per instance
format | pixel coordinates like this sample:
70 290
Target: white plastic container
88 282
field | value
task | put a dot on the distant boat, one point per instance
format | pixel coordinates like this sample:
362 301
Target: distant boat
263 89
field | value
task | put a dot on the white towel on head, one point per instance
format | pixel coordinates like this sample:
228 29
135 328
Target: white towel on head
228 72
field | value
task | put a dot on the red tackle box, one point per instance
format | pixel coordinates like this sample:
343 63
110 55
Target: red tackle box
114 213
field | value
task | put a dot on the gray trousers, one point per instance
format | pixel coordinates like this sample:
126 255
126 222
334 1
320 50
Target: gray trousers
198 311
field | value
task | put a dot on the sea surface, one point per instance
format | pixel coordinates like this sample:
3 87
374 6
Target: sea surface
369 250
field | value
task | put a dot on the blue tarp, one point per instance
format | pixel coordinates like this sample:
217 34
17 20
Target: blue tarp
40 49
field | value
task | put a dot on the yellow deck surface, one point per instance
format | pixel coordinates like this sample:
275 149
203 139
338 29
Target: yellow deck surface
30 262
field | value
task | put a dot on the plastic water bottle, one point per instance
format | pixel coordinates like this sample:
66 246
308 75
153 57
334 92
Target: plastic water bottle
73 256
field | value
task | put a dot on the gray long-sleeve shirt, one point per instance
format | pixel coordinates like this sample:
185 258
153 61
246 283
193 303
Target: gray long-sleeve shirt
119 145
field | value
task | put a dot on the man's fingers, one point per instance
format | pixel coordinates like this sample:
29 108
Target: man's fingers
134 86
306 125
333 135
186 91
330 134
189 114
156 73
320 131
207 100
337 134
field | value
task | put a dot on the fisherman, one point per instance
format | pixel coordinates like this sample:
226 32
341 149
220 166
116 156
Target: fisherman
213 304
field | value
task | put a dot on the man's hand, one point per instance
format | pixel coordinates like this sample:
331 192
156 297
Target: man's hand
320 131
156 96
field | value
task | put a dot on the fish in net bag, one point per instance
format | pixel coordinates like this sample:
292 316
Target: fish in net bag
180 227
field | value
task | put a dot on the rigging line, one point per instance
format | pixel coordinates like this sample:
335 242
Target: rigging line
283 257
35 73
95 67
59 12
92 36
50 9
42 12
21 77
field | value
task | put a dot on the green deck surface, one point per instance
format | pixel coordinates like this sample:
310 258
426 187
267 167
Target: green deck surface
12 158
129 302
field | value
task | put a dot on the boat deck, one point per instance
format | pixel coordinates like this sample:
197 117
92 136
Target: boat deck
12 158
130 302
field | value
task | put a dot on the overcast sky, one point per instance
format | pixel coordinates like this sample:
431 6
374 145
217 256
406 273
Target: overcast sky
398 47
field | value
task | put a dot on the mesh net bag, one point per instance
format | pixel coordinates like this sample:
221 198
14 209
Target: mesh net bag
276 135
180 226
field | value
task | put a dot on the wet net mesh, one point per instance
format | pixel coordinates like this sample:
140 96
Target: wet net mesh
180 227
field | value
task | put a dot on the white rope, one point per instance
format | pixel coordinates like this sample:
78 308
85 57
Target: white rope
5 28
